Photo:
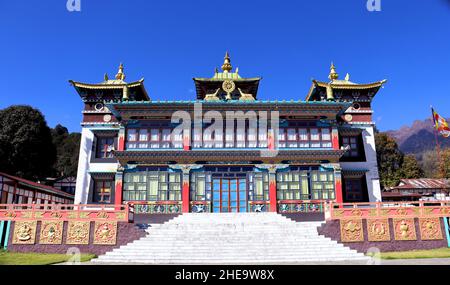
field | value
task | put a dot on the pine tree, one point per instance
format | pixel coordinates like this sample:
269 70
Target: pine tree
410 167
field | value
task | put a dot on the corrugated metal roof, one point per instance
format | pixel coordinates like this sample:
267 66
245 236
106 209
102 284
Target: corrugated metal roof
423 183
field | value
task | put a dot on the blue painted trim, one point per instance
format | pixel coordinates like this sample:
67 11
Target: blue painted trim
2 224
447 233
8 228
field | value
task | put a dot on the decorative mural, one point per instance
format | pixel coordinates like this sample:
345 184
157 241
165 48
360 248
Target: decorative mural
378 230
51 232
105 233
404 229
153 208
430 228
300 207
24 232
352 230
78 232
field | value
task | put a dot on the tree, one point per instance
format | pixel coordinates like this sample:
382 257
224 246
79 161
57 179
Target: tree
410 167
444 164
26 147
67 149
434 166
389 158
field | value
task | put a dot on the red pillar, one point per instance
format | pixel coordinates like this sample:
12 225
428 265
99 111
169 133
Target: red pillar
118 187
273 194
121 140
335 138
338 187
185 195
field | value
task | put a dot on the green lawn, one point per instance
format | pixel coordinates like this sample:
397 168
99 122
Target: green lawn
15 258
430 253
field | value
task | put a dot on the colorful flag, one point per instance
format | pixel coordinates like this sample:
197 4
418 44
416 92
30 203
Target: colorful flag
440 124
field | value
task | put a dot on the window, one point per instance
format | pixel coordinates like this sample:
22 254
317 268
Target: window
353 143
200 186
281 138
353 190
259 186
165 143
252 137
322 185
326 137
303 138
102 191
262 138
293 185
131 138
240 137
105 147
315 137
291 138
152 186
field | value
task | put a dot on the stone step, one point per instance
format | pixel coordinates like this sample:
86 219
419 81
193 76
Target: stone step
231 238
209 260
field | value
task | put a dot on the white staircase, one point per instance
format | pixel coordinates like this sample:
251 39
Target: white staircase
232 238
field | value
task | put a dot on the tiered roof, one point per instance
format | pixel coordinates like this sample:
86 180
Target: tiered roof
342 90
226 85
116 89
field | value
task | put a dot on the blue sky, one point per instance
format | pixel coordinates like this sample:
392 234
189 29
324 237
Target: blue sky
169 42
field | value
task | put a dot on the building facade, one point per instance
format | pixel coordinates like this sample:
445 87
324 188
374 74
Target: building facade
420 189
16 190
226 150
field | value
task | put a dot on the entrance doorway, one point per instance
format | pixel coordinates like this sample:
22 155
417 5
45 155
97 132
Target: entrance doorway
229 195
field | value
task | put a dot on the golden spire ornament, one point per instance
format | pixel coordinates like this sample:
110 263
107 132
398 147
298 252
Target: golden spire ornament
120 75
333 74
226 66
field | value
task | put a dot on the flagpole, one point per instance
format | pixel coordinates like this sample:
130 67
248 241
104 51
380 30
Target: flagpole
438 148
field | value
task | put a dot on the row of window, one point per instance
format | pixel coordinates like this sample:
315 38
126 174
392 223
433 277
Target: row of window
22 196
152 186
163 186
305 137
248 138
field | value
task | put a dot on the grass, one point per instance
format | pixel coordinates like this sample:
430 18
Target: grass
16 258
429 253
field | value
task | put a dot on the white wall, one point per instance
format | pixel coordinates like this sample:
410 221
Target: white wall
84 180
372 178
83 177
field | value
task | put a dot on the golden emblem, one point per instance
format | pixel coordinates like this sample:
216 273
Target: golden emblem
404 229
430 229
105 233
24 232
51 232
378 230
351 230
78 232
228 86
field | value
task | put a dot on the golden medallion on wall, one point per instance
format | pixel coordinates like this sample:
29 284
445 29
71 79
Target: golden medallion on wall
351 230
228 86
51 232
105 233
378 230
78 232
24 232
404 229
430 228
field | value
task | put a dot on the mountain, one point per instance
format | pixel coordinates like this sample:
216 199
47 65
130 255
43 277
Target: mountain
418 138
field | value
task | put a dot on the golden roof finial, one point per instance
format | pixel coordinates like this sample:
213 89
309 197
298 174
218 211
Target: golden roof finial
226 66
333 74
347 77
120 75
